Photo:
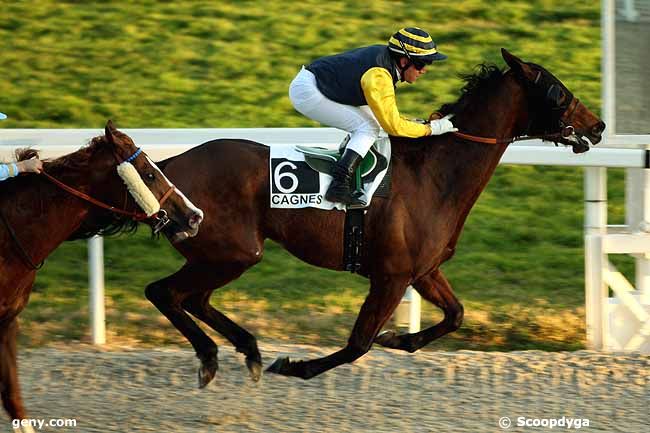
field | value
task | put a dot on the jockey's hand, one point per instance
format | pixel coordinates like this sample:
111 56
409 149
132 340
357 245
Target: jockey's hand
33 165
442 126
435 115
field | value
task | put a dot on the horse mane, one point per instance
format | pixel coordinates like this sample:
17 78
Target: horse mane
24 154
75 161
479 85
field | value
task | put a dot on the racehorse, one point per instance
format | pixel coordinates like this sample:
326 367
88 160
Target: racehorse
38 213
435 182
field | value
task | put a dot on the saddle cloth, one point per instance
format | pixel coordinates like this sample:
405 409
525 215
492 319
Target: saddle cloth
295 185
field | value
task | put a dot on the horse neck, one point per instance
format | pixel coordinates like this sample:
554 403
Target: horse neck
502 116
47 215
450 172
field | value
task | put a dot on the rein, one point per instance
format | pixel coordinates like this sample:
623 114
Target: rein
567 130
18 244
137 216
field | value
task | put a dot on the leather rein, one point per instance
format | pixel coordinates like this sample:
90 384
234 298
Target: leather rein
565 132
136 216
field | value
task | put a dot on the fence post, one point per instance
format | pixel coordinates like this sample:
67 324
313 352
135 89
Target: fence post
414 309
595 291
595 186
96 287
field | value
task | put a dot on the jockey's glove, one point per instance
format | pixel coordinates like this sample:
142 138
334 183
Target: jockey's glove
442 126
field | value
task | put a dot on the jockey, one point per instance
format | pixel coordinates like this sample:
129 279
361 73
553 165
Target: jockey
355 91
12 169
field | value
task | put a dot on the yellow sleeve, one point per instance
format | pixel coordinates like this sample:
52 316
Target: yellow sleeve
378 89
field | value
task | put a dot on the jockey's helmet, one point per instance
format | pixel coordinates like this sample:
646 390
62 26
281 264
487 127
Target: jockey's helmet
416 45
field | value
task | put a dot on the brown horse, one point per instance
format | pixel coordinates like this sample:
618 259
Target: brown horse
37 215
435 183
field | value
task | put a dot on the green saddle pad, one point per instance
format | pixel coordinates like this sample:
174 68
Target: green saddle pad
321 160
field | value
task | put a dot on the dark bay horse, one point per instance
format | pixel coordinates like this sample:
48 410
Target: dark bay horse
435 183
37 215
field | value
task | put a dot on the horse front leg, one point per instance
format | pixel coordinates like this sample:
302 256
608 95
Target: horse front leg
435 288
385 294
9 386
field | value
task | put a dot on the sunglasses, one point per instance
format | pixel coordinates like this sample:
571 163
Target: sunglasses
417 63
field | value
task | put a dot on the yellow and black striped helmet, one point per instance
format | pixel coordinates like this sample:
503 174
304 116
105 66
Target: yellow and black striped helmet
416 44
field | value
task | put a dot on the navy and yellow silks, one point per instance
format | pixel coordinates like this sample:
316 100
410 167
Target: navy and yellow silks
366 76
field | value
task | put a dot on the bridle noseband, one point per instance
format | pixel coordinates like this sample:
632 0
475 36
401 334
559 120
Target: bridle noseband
161 217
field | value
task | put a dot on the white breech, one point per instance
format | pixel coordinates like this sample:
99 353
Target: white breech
358 121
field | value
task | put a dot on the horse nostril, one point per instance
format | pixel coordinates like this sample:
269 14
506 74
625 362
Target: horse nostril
196 219
598 129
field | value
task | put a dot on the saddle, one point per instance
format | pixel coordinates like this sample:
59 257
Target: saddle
322 160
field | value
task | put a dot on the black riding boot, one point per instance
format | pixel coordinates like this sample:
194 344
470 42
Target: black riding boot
342 172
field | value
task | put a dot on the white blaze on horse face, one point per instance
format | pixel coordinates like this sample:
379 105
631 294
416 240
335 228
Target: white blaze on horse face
187 201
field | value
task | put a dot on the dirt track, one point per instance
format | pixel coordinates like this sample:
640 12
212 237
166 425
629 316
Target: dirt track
386 391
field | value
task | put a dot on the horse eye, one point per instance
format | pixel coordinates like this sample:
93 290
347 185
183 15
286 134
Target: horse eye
150 176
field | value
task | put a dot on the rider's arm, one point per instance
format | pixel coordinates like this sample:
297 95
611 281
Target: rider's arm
378 89
8 170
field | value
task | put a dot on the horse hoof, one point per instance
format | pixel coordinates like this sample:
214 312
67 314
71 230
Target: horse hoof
386 338
255 369
279 366
207 371
24 429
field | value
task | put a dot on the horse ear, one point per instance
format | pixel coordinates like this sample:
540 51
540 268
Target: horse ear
517 65
109 132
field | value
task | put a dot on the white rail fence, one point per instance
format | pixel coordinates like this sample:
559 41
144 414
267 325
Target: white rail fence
604 315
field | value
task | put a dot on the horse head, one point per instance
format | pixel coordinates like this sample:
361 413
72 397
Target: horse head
554 111
166 208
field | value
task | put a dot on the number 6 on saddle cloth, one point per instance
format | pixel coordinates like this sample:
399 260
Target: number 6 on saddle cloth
300 175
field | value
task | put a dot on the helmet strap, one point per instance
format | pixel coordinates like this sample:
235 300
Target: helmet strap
402 69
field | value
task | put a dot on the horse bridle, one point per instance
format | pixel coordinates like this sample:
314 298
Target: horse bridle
565 122
161 218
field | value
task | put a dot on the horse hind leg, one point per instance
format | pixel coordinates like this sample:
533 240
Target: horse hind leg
435 288
199 306
9 386
385 294
167 295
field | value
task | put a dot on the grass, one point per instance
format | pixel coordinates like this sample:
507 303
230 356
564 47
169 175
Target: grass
229 64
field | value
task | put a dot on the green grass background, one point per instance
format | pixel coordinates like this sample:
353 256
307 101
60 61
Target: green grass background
519 264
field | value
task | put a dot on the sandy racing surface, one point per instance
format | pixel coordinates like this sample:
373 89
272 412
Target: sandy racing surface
386 391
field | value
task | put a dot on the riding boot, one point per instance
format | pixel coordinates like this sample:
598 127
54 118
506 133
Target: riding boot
342 173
